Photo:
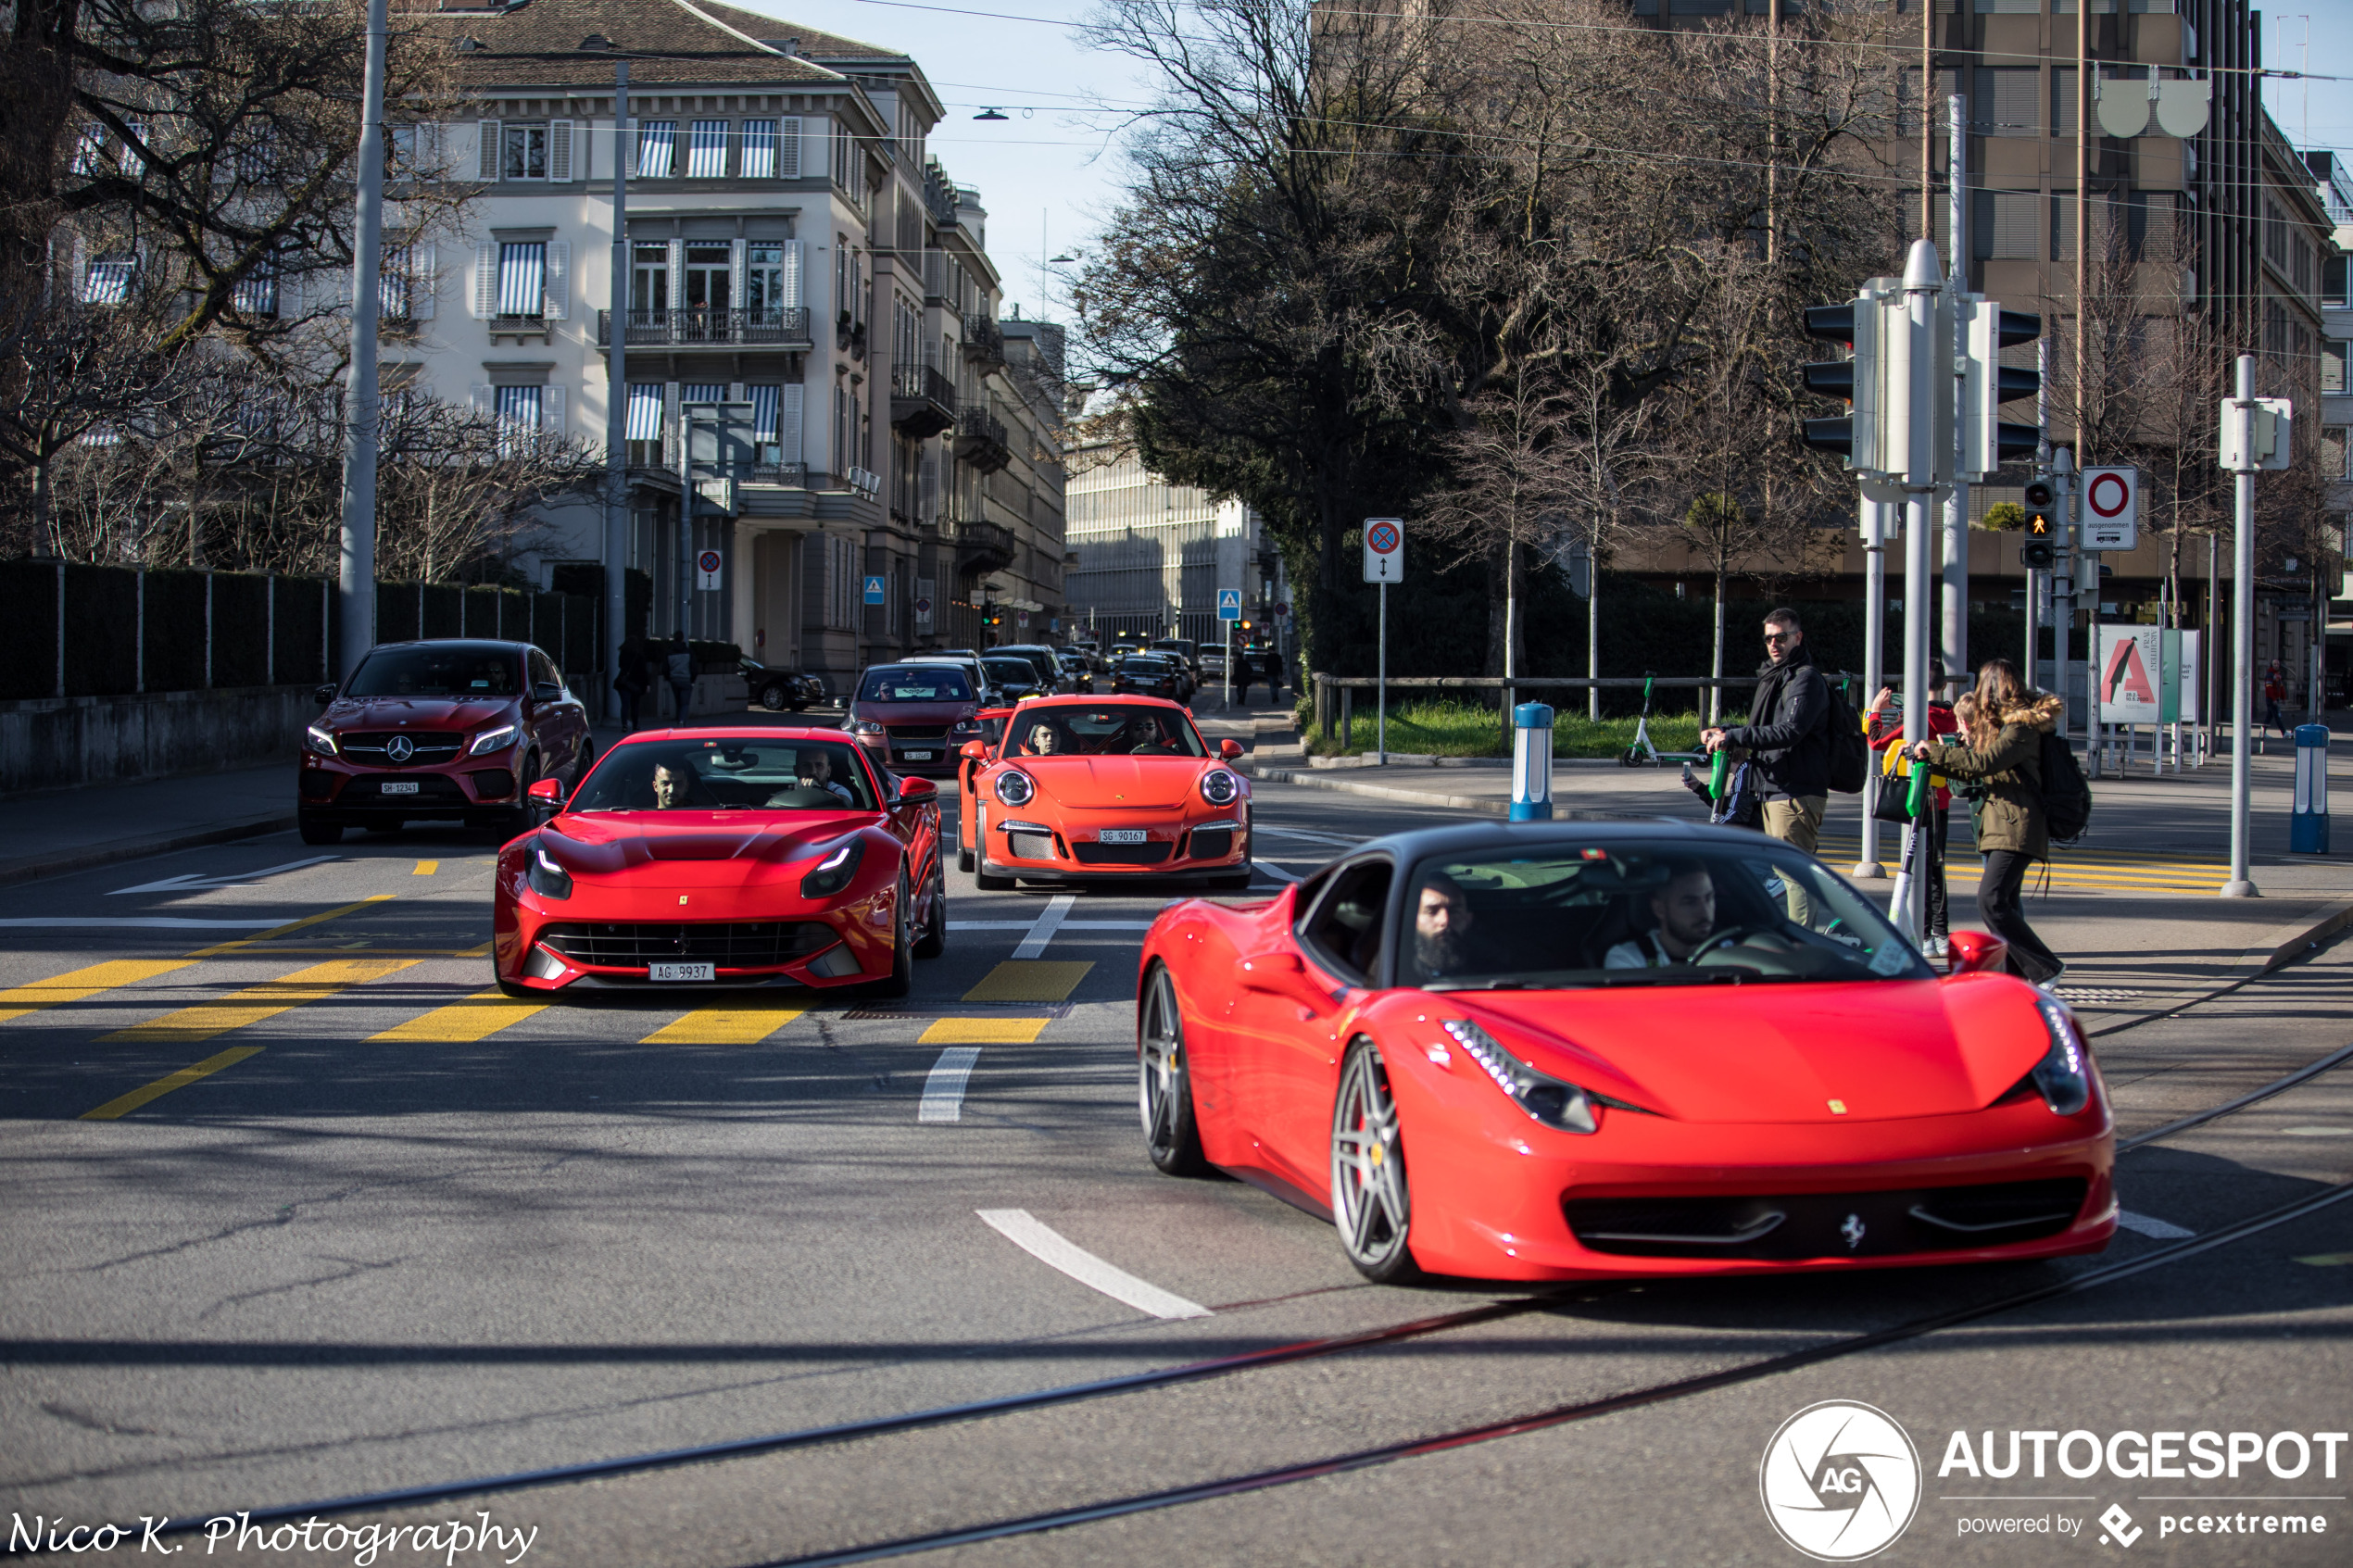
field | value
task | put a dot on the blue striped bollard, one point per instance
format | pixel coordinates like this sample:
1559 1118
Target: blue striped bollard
1531 762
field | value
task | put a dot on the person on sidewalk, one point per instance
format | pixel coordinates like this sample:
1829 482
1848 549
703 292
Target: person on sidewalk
1270 665
679 665
629 681
2274 694
1787 734
1886 734
2003 722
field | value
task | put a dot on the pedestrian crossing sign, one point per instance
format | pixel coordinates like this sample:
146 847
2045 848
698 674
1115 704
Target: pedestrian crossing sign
1229 604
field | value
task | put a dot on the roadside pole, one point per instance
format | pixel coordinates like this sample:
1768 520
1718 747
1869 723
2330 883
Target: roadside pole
1381 706
2239 455
1384 564
362 407
2063 584
617 403
1922 280
1956 562
1874 520
1229 666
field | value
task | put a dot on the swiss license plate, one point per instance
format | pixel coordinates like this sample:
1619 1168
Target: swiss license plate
916 756
1121 835
681 972
397 786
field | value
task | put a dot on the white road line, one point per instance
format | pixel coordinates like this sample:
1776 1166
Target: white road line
1276 872
2317 1132
147 922
991 925
1048 922
1048 1247
194 881
944 1090
2159 1230
1258 827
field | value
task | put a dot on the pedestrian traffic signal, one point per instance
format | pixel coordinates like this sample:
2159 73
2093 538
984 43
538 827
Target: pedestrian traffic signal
1854 380
1987 383
2040 552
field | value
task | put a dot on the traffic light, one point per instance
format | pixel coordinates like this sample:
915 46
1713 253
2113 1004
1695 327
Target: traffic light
1987 383
1854 380
2040 552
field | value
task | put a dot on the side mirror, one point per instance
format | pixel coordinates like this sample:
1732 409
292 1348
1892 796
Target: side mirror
977 750
545 691
325 694
1230 750
1976 952
912 790
549 791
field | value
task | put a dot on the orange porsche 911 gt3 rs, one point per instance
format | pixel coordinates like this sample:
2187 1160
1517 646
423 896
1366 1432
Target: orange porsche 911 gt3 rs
1096 789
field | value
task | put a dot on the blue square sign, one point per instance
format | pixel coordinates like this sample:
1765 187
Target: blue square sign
1229 604
873 590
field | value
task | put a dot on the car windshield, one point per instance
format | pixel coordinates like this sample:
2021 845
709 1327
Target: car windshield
1567 915
1108 730
922 682
1144 664
438 671
723 775
1011 671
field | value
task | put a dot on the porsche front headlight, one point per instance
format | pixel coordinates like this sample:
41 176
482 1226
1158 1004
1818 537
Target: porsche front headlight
1015 787
1553 1101
1220 788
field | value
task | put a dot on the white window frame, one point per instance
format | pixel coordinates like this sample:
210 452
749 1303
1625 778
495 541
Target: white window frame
515 149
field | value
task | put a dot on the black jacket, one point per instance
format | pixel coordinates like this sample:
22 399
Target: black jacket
1789 726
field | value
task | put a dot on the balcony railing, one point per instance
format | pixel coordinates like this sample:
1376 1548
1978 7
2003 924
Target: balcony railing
785 327
980 438
981 547
922 401
984 340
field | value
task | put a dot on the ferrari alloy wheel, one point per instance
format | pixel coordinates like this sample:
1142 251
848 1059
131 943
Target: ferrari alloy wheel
1369 1201
934 941
1164 1086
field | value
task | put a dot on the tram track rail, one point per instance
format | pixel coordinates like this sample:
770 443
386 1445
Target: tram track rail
1274 1355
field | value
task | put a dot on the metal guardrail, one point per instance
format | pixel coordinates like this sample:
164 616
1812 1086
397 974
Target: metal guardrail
1347 686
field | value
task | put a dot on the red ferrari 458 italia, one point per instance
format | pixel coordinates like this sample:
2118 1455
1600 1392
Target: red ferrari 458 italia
724 857
1105 789
1580 1049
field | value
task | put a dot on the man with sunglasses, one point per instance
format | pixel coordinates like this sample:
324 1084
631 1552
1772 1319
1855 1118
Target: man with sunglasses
1788 735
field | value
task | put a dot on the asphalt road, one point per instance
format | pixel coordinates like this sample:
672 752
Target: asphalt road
381 1232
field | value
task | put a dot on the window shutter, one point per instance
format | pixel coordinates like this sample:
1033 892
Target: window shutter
670 433
485 280
423 279
735 273
677 273
560 151
788 422
486 164
429 144
735 391
792 299
486 397
551 410
557 279
788 149
814 133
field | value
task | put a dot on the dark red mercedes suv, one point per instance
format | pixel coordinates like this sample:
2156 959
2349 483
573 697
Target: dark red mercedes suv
451 730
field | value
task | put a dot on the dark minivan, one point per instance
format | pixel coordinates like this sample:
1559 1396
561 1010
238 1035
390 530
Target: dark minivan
447 730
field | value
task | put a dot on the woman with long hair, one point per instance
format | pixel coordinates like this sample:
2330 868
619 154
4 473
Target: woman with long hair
2003 722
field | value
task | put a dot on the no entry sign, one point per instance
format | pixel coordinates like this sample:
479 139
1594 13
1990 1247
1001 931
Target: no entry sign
2111 509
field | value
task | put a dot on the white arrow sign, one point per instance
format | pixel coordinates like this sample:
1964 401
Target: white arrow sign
193 882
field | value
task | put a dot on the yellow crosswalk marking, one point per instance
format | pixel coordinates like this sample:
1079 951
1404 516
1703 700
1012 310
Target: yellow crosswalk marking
2326 1259
255 1003
426 867
125 1104
1031 980
983 1032
722 1026
477 1018
73 985
292 925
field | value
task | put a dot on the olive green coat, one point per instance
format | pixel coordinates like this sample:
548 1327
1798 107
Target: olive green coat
2009 815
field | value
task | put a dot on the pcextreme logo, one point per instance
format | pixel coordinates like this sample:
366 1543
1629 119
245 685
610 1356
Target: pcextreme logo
1840 1480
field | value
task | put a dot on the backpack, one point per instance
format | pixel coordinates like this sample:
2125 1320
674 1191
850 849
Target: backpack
2067 794
1850 753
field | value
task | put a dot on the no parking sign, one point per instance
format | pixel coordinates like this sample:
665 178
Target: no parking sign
706 568
2111 509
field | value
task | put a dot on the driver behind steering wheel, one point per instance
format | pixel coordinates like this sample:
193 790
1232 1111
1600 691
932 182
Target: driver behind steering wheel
1685 909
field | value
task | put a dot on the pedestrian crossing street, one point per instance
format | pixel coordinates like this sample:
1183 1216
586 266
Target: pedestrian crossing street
2071 870
117 984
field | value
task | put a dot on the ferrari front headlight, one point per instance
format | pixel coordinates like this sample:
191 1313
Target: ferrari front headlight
547 879
833 873
1553 1101
2064 1075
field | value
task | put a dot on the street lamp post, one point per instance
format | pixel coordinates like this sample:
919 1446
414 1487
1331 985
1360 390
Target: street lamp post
617 401
2242 411
358 565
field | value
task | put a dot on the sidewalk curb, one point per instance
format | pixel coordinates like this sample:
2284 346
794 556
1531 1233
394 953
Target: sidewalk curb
1321 779
29 868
